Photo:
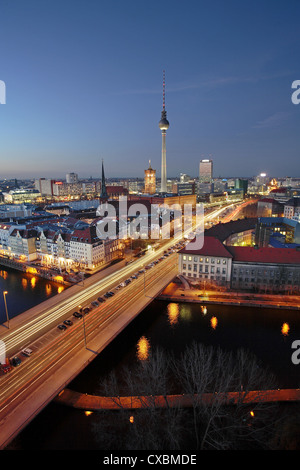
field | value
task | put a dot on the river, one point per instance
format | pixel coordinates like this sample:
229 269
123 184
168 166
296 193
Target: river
24 291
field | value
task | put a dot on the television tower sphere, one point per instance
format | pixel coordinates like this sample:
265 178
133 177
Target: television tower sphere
163 123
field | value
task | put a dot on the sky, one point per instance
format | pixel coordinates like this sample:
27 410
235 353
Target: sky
83 81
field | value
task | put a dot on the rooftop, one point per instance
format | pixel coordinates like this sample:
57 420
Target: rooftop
294 201
211 247
265 255
223 231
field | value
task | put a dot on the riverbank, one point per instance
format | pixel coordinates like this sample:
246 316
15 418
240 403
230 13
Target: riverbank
176 292
28 314
32 268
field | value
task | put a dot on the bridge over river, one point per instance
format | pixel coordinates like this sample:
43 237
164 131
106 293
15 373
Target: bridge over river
95 403
59 356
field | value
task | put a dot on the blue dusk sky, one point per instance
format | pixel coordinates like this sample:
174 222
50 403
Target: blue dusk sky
83 83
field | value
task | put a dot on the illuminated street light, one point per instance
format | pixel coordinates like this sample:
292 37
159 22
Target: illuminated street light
83 323
4 295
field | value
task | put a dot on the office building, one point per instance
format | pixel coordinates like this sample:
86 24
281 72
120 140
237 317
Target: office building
205 177
150 180
71 178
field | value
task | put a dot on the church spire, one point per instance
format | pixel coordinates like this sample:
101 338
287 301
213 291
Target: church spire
103 195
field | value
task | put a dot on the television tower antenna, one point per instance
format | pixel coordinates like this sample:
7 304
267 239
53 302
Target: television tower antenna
164 94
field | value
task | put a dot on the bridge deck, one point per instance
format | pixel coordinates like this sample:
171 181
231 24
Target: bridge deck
93 403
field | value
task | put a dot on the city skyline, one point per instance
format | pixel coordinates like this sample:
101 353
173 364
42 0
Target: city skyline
84 84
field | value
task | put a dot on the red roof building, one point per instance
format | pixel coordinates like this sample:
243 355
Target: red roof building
266 269
211 263
265 255
212 247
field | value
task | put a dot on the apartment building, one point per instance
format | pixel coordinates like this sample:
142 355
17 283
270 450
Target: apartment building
292 208
266 269
212 262
57 245
243 268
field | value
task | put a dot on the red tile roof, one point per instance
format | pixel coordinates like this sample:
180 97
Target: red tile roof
211 247
265 255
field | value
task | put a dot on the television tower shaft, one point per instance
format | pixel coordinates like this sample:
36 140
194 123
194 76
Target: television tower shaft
163 125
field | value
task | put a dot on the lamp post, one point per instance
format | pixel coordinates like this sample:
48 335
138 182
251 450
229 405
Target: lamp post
83 324
4 295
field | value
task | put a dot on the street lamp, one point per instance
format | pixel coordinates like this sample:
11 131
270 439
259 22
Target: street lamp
83 324
4 295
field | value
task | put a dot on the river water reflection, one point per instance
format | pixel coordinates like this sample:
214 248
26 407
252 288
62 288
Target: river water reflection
24 291
267 333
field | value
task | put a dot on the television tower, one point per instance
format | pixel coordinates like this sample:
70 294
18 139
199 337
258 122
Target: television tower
163 125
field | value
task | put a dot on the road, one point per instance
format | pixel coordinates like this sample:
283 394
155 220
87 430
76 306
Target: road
27 327
58 356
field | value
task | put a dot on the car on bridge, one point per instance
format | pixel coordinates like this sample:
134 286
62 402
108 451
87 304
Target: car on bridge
62 327
68 322
15 361
26 352
77 315
5 368
109 294
101 300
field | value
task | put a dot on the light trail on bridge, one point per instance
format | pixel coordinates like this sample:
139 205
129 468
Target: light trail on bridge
20 337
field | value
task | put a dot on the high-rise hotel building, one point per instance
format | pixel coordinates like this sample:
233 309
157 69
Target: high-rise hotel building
205 176
205 171
150 180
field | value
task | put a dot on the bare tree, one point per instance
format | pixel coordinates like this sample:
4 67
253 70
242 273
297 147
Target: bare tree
206 370
150 426
207 375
